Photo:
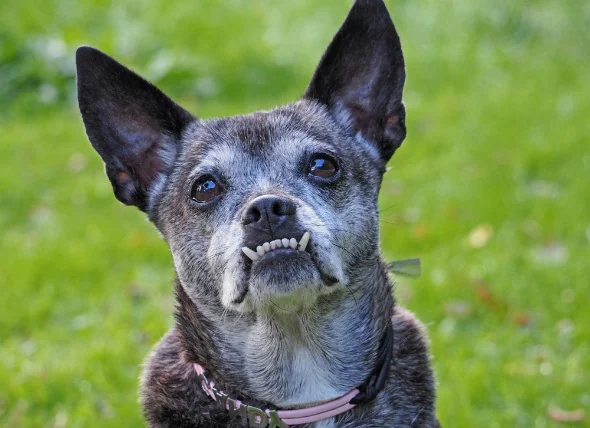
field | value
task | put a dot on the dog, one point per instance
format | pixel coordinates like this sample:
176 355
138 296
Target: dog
285 314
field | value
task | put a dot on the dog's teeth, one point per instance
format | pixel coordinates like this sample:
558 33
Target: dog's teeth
261 250
251 254
304 241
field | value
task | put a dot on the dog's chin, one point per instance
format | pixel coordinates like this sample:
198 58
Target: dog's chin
284 279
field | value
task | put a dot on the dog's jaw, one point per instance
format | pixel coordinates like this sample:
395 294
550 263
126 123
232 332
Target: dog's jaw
261 287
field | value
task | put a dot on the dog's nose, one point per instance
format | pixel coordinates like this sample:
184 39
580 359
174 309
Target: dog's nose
268 210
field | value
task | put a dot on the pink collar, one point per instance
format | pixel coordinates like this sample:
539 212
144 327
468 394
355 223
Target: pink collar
275 418
258 418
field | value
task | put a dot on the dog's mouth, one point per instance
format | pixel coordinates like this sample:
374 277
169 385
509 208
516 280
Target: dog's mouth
278 246
273 250
282 265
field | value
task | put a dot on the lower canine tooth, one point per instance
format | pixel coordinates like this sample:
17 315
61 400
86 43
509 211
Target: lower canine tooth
251 254
260 251
285 242
304 241
293 243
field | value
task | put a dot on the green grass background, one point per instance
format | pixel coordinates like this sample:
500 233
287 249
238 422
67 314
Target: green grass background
498 98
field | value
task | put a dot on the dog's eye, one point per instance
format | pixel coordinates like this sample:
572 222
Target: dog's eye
323 166
205 189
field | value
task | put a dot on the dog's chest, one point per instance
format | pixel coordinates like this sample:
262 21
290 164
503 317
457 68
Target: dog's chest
311 380
292 378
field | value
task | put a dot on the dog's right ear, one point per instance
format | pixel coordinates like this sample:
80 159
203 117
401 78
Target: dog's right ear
133 125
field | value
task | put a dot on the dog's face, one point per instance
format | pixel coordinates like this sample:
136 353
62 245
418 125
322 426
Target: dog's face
269 210
276 206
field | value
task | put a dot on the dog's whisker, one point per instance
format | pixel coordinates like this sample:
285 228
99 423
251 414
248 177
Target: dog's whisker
390 207
282 309
416 417
346 250
349 290
398 224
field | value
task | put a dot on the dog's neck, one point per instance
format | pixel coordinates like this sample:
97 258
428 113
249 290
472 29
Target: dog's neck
292 359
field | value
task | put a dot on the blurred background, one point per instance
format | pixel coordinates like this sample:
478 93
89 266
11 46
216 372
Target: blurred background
491 190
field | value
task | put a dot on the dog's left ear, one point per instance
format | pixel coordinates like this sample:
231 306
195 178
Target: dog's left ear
361 77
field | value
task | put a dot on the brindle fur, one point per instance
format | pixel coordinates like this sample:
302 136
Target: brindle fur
302 331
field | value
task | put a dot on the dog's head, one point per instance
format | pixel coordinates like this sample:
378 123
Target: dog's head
271 209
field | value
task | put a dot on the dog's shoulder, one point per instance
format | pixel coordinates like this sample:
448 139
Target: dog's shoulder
410 335
412 392
170 391
164 386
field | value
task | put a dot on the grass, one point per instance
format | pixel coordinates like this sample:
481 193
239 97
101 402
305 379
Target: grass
490 190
